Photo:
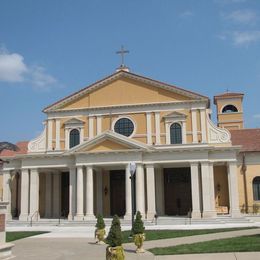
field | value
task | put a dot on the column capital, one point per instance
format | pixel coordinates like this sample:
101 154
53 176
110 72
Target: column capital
149 165
194 163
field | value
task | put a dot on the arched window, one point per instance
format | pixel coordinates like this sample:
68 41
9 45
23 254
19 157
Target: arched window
176 133
229 109
124 126
256 188
74 137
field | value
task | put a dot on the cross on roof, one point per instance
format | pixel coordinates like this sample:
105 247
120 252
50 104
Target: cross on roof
122 52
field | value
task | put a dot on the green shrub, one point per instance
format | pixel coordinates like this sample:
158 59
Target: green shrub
100 222
115 237
138 227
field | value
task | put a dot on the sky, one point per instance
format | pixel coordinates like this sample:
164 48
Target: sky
52 48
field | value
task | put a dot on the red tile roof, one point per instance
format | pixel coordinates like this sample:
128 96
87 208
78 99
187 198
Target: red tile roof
248 138
23 149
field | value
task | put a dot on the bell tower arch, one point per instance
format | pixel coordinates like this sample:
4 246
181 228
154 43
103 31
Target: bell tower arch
230 110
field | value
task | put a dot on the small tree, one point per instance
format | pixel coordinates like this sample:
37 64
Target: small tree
100 230
114 237
138 231
100 222
138 227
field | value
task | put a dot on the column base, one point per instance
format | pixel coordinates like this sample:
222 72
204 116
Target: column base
70 217
127 216
89 217
150 215
34 217
195 214
79 217
235 213
23 217
8 216
209 214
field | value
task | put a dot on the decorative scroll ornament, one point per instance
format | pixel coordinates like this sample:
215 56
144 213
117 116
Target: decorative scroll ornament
38 144
217 134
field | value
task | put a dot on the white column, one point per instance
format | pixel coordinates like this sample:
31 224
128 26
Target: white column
67 139
149 127
194 126
157 128
72 193
34 194
207 190
90 127
151 207
168 134
195 192
99 193
184 133
57 147
7 192
49 142
159 191
233 189
140 200
56 195
24 195
128 194
89 194
48 195
80 201
203 125
81 135
99 125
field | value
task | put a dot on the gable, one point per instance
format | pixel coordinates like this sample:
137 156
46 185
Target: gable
106 145
124 88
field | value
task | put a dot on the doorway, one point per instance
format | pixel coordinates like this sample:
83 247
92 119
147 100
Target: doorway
177 191
117 192
65 194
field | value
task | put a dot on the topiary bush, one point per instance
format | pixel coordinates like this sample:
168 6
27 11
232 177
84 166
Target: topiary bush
115 237
100 222
138 227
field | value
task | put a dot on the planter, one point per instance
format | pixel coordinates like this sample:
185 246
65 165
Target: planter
115 253
100 235
139 241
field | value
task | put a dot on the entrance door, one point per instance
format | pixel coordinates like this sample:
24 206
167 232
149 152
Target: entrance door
177 188
117 192
65 194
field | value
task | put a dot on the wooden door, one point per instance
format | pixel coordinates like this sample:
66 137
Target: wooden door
117 192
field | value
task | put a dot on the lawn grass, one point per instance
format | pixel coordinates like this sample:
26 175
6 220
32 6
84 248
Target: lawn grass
11 236
236 244
163 234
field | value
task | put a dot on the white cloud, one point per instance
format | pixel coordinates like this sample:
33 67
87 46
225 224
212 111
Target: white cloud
40 78
242 16
256 116
241 38
186 13
246 37
13 69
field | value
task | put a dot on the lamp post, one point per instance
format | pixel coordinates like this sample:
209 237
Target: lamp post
132 169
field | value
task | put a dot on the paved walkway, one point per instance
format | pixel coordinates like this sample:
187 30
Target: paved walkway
70 248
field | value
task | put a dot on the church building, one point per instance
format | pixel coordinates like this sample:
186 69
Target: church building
185 164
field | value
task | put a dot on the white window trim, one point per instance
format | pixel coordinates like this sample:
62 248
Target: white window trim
68 128
120 117
168 124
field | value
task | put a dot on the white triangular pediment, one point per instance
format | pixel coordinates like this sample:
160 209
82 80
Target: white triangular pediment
74 121
120 143
175 115
124 75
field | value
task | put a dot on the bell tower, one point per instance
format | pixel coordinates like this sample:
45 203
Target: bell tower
230 110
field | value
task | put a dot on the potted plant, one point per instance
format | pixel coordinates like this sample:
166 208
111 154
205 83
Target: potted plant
100 231
138 233
114 239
